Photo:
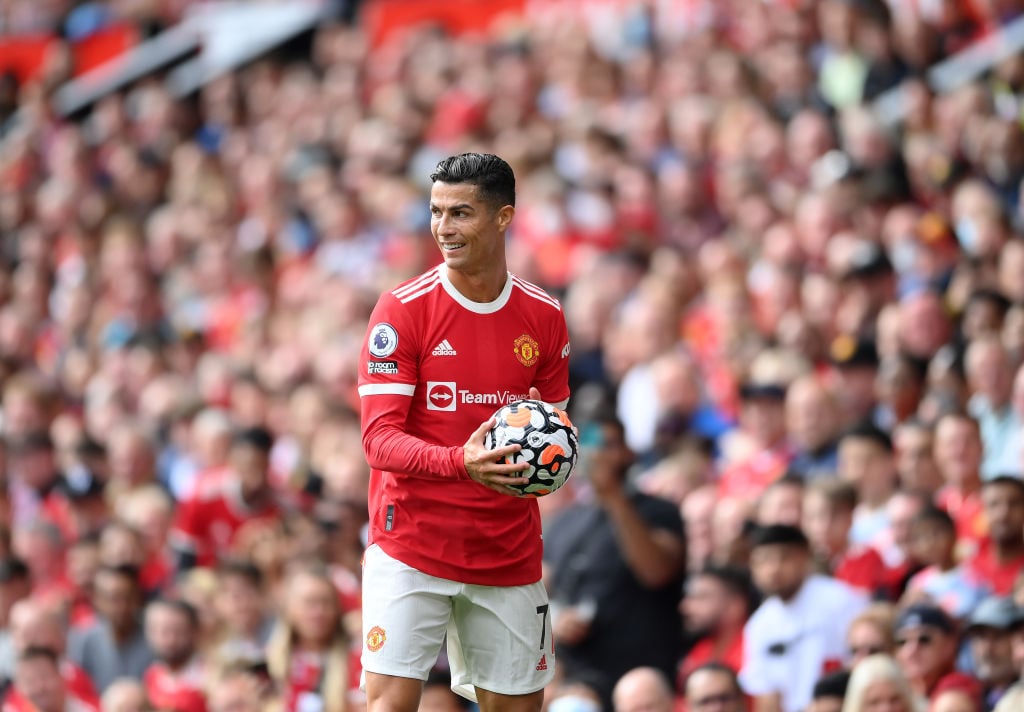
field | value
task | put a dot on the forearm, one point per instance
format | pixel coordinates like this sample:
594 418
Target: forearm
388 447
654 556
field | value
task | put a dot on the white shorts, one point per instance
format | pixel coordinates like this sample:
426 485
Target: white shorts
499 637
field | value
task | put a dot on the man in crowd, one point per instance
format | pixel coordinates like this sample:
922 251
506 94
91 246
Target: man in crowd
926 648
1000 555
799 633
176 680
989 636
642 689
713 686
115 645
716 605
615 568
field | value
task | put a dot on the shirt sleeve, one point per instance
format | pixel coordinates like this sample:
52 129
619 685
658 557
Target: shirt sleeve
754 677
387 381
552 378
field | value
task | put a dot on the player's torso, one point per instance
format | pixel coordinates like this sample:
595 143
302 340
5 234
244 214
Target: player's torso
471 364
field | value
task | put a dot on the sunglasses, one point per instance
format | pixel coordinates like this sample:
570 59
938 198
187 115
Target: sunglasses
923 640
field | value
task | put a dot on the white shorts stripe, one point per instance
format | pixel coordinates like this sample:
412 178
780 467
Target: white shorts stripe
387 389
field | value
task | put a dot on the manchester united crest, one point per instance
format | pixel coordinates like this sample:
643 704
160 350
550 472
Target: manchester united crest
375 638
526 350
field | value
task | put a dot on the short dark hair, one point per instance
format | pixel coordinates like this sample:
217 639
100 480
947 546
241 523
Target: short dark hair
871 432
243 569
492 176
256 437
735 579
178 605
837 492
129 572
932 514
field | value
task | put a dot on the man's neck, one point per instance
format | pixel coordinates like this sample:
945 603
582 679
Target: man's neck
480 287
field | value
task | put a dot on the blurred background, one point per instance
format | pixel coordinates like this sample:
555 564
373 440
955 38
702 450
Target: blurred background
787 236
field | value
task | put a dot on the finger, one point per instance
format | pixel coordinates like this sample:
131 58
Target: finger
481 431
535 393
508 479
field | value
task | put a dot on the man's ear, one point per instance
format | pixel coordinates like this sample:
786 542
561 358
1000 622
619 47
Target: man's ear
504 217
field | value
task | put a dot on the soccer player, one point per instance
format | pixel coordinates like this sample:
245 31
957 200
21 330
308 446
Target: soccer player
451 549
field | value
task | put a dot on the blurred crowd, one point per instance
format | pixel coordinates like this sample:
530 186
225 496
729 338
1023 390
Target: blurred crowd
806 316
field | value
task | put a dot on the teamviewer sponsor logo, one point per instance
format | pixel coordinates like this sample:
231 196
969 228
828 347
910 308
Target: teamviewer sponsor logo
444 349
441 395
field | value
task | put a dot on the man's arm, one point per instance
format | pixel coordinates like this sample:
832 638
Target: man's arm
654 554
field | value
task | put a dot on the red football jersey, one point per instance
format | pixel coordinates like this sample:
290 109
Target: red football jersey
209 521
435 365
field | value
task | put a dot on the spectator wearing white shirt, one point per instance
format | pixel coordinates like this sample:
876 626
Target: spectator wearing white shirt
799 632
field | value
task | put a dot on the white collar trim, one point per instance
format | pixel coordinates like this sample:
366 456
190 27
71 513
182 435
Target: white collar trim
470 305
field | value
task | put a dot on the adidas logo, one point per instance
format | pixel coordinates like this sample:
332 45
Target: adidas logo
443 349
543 664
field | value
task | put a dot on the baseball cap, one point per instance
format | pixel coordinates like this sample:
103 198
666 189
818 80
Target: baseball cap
923 614
999 612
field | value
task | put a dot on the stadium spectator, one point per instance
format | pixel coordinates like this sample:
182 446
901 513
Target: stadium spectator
176 679
915 459
942 580
642 688
799 632
990 378
812 422
614 568
715 607
958 452
926 646
866 461
308 653
870 633
878 683
989 636
125 695
782 502
829 692
1000 556
39 685
713 686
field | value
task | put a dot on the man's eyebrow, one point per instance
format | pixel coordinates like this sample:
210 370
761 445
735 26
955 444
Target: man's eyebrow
459 206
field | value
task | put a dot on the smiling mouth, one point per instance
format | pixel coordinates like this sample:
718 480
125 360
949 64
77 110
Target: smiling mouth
452 246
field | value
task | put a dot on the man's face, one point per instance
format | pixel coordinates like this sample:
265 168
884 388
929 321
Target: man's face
116 599
703 605
1004 509
712 691
915 462
957 450
250 463
924 652
170 635
864 463
992 651
779 569
39 680
468 231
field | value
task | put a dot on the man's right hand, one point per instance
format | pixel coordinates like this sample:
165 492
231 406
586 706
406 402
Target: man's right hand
486 466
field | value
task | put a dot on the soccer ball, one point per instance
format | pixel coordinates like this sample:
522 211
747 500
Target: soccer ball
548 441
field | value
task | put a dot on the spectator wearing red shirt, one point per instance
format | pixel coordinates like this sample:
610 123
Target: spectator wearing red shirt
958 453
35 626
756 454
40 687
309 655
1000 556
177 678
209 522
716 606
827 516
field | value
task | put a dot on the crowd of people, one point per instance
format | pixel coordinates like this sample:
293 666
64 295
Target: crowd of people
796 323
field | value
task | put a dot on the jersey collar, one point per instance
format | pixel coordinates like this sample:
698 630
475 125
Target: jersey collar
476 307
